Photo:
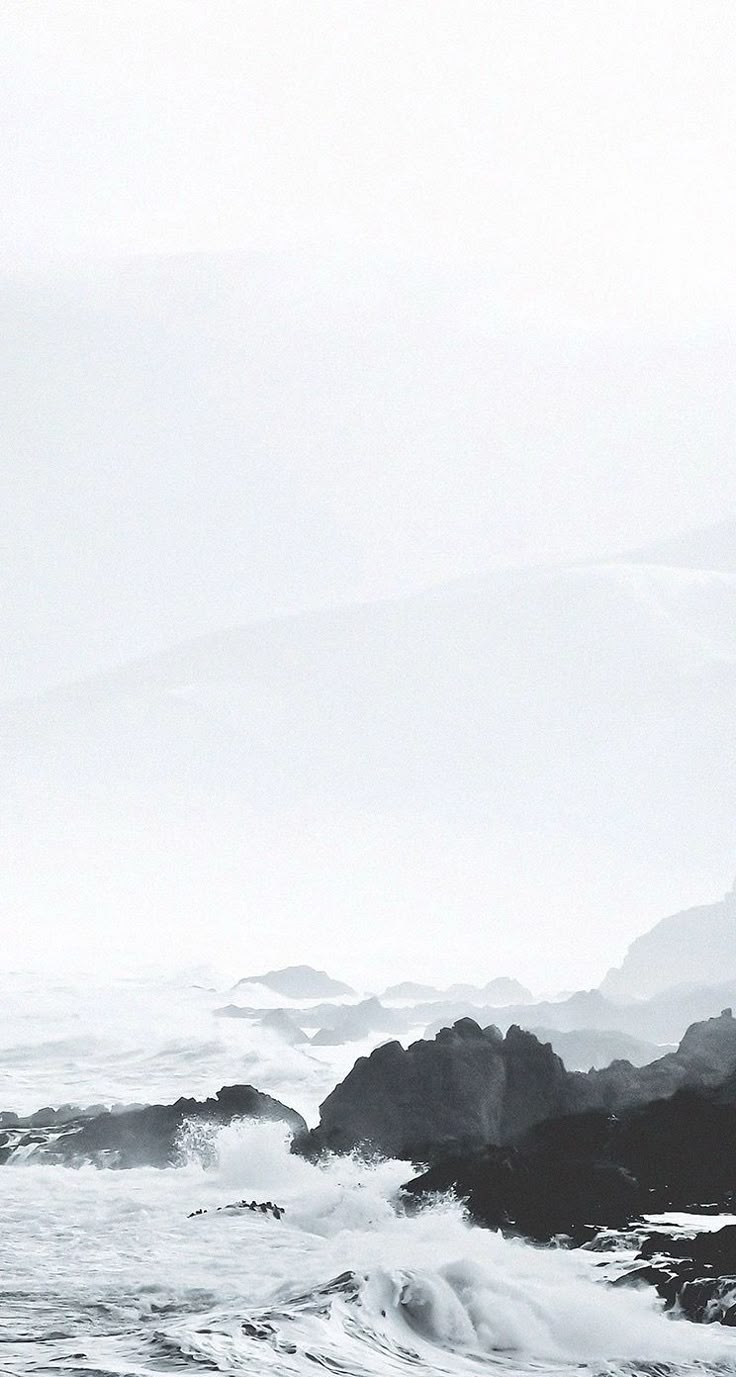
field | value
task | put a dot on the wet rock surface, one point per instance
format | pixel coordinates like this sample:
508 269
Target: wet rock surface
141 1135
694 1274
582 1173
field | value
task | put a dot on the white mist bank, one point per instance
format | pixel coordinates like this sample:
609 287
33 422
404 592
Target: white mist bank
133 1040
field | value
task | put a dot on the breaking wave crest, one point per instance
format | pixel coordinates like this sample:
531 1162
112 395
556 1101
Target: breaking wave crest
344 1280
384 1292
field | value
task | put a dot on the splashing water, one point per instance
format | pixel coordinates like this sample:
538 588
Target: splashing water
103 1272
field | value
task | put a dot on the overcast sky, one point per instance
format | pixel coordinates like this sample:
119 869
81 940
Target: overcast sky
496 239
317 302
584 149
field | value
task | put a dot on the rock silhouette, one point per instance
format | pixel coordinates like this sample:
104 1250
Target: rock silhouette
148 1135
470 1087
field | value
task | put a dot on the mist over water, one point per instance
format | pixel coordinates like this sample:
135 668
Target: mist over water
84 1039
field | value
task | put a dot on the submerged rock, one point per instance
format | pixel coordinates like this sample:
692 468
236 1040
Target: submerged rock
255 1207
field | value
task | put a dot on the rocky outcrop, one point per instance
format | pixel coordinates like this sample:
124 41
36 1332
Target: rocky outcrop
695 947
695 1273
147 1135
581 1173
467 1087
471 1087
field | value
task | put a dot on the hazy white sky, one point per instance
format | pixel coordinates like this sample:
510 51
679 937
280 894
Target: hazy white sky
584 149
493 322
323 301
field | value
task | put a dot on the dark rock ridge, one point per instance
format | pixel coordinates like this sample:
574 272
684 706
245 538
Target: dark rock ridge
143 1136
470 1087
299 982
697 947
581 1173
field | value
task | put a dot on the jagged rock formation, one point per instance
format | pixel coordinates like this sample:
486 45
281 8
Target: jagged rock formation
146 1135
695 947
581 1173
470 1087
298 982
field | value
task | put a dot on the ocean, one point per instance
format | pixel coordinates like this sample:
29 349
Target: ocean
104 1272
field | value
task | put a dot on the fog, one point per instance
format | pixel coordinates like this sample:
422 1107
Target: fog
307 311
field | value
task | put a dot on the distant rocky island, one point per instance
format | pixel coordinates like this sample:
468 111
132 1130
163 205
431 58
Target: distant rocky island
298 982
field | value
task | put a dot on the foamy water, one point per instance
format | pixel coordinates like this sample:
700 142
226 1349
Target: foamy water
103 1272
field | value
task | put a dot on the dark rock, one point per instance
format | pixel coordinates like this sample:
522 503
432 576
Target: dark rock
537 1196
594 1169
716 1249
240 1206
696 1274
468 1087
149 1136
